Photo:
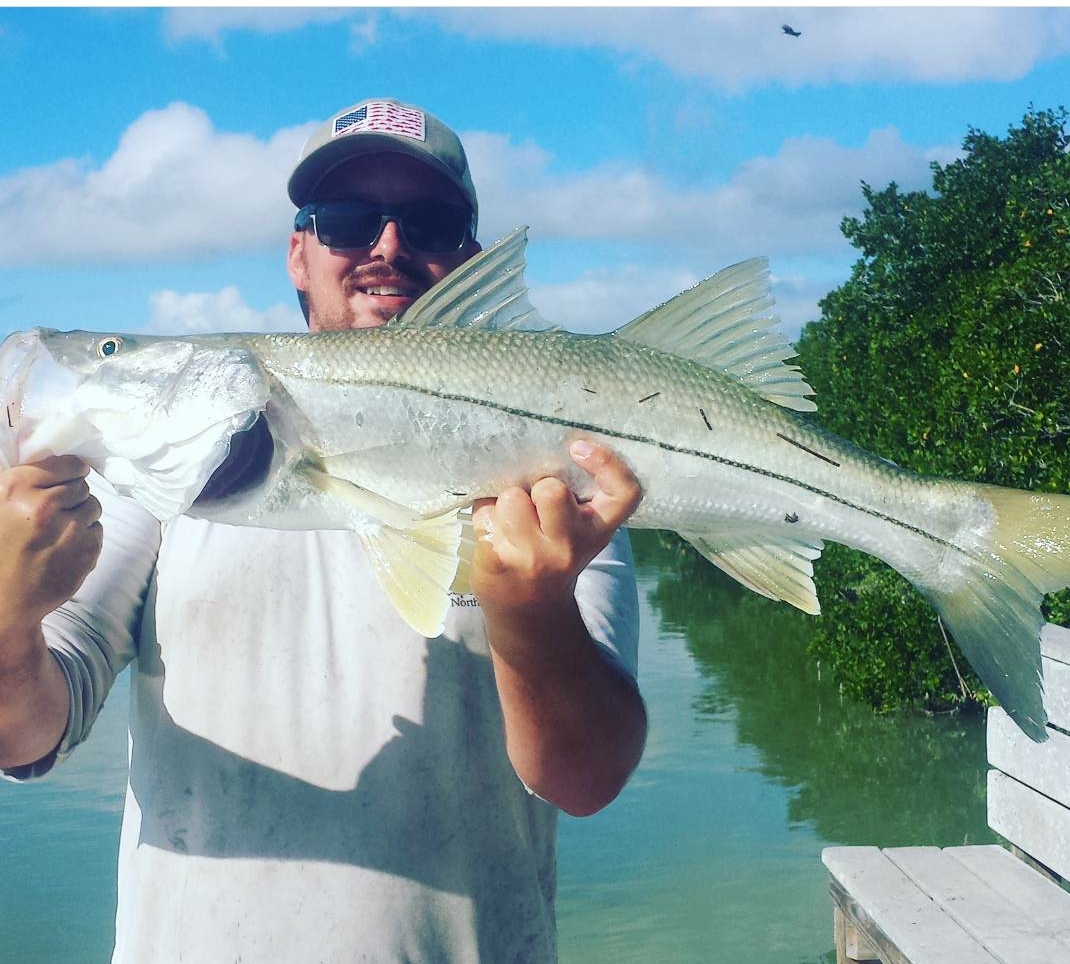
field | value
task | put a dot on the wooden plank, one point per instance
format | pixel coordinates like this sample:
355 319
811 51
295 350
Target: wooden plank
1055 642
979 907
1055 663
858 938
1030 820
1043 766
851 944
1031 892
1057 691
899 919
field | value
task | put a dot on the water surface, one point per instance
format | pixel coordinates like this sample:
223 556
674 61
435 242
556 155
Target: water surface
754 763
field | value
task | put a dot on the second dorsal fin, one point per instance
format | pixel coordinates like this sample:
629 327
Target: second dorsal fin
724 324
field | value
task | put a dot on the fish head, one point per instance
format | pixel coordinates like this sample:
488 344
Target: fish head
153 415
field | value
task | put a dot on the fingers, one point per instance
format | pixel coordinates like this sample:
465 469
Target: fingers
533 545
55 470
548 513
506 521
39 490
483 513
556 510
617 491
59 479
72 494
551 510
51 535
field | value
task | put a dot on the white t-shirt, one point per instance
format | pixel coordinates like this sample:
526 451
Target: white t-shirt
311 780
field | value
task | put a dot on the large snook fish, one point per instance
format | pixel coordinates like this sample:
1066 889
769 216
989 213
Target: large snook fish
394 432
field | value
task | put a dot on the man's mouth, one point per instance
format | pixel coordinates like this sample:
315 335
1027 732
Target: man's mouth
389 291
384 281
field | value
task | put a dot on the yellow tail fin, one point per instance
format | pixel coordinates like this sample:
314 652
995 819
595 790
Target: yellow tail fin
995 615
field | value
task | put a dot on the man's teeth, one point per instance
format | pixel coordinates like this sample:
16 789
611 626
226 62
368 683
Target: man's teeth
386 290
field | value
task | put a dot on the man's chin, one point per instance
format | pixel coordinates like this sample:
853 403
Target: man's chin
356 317
387 306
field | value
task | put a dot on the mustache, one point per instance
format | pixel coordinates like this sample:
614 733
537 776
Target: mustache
382 272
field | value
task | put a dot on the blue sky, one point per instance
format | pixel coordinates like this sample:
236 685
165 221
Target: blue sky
145 152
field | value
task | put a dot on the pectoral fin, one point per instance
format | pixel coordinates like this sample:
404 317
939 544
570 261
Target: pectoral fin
353 502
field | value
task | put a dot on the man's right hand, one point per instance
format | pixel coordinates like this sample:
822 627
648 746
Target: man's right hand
50 538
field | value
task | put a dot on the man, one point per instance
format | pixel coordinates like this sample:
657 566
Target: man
310 780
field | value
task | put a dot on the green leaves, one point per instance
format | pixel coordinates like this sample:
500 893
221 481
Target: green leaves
945 351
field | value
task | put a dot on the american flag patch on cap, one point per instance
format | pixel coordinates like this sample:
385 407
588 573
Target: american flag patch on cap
380 117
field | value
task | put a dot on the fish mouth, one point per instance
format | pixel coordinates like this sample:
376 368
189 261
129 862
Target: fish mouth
17 354
246 465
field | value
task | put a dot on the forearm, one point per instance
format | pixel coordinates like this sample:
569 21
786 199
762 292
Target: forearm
34 699
575 725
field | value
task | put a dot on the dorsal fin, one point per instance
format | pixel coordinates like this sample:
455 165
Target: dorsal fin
487 291
723 323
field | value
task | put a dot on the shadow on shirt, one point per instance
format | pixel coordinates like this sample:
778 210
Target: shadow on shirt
440 804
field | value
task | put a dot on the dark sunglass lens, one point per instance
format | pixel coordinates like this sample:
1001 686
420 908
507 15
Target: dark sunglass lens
338 228
436 228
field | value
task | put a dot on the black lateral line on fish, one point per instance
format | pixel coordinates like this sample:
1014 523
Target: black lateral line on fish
797 444
646 398
677 449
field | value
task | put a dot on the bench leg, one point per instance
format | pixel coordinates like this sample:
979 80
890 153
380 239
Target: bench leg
851 945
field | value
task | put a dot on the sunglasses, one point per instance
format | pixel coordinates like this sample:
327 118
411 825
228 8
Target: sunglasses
432 227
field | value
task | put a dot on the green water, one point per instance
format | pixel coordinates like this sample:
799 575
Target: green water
710 856
754 763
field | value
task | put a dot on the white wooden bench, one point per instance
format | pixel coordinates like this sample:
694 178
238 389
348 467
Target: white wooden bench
982 904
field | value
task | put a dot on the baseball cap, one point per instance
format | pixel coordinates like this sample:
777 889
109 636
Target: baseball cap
375 126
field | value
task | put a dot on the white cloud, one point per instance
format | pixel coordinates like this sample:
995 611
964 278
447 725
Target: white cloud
174 188
602 299
363 34
791 203
732 48
211 23
173 313
740 48
798 293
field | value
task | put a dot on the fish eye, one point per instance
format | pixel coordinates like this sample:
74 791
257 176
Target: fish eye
107 347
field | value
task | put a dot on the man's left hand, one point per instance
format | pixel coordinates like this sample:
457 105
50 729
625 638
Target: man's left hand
533 546
574 726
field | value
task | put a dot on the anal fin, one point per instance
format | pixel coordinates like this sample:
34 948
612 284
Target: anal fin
770 564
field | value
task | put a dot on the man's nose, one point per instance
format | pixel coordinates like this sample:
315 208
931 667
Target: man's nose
391 243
